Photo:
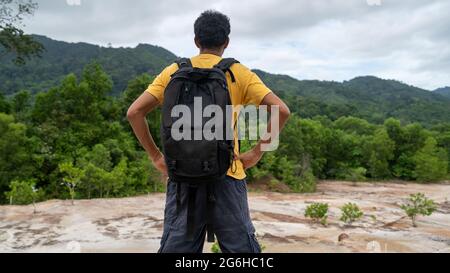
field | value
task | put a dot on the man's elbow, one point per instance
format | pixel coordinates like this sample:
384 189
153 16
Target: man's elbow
285 112
133 113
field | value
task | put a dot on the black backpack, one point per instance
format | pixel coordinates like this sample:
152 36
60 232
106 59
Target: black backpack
198 161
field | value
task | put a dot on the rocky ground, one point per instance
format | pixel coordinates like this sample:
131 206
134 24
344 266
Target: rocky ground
135 224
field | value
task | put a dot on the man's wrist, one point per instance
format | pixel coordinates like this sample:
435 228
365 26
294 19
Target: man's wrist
258 149
155 155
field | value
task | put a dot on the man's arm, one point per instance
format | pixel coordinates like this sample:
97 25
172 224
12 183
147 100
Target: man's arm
251 158
137 117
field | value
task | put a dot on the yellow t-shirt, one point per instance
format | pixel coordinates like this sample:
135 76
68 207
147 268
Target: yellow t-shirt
248 89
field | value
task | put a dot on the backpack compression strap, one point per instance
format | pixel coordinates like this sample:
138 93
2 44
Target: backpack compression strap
225 65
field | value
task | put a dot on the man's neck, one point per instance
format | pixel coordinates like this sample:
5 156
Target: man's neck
212 52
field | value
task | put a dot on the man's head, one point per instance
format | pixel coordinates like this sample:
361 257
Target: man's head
212 30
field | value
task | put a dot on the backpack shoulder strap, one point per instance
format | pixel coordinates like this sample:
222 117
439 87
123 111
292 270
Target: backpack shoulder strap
184 63
225 65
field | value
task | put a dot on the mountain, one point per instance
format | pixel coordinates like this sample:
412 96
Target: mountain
62 58
444 91
368 97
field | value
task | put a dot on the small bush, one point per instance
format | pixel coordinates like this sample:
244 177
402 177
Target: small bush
418 204
352 174
351 213
215 248
23 193
318 212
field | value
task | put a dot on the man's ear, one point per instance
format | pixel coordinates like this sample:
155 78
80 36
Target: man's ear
227 43
197 43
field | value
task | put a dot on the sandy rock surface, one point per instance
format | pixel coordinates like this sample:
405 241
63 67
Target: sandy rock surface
135 224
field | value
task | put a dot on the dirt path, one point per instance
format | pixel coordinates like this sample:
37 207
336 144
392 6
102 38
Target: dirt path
135 224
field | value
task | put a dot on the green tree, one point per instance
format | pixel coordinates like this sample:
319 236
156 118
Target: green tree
24 193
12 39
418 204
72 178
133 91
17 161
5 107
352 174
354 125
100 83
443 139
431 162
381 153
21 105
318 212
350 213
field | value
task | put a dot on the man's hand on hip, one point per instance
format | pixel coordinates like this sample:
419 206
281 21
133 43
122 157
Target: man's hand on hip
251 158
160 164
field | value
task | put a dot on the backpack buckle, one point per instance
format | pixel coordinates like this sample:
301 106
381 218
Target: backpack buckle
206 167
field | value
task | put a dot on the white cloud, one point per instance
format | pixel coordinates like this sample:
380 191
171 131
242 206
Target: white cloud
323 39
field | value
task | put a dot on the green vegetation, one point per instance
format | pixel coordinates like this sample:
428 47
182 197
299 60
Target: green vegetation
431 162
74 141
350 213
60 59
72 178
368 98
15 44
318 212
417 205
445 91
215 248
23 192
72 138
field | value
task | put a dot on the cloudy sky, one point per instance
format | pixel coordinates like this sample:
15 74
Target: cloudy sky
407 40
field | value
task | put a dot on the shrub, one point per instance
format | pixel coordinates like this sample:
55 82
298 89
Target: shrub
318 212
431 162
418 204
72 178
215 248
352 174
350 213
24 193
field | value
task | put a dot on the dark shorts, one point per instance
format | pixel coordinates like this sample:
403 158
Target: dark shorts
230 218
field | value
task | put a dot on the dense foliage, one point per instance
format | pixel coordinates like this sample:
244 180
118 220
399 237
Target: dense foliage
61 58
350 213
318 212
369 98
73 140
445 91
15 45
418 204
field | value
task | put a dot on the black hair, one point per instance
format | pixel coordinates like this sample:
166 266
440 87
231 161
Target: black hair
212 29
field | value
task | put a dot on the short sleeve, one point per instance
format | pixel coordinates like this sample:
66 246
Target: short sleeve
254 89
160 83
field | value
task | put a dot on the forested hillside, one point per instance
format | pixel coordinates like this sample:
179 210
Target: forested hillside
369 98
71 139
62 58
444 91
